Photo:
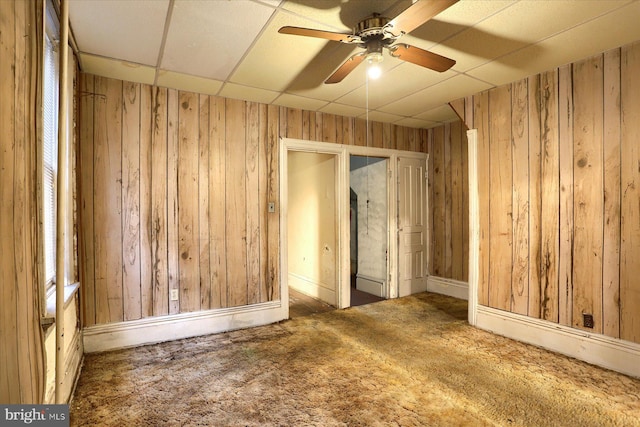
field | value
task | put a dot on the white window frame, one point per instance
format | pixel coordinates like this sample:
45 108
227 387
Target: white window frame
50 109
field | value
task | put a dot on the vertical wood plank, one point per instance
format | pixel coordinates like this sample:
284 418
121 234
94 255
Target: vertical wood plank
630 185
146 242
500 209
263 174
611 155
159 199
306 124
294 123
387 135
173 247
535 195
565 258
457 225
520 152
131 268
360 133
549 242
86 199
376 135
431 201
217 202
339 132
236 182
588 191
448 201
439 212
329 128
347 130
188 230
481 122
108 189
203 204
465 203
253 202
10 380
273 195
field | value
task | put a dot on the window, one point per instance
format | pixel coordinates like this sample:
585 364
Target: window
51 78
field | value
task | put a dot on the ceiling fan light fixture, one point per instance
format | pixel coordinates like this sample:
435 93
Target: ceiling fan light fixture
373 69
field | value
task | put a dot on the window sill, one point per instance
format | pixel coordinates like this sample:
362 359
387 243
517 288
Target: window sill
50 315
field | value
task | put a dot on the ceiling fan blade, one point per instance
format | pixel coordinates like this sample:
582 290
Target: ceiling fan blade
346 68
417 14
421 57
329 35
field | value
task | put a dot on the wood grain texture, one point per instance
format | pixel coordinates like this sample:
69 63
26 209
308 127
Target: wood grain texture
439 205
159 200
236 203
457 224
565 258
500 206
612 158
520 196
204 238
549 241
217 201
588 191
448 204
131 268
630 196
252 165
108 197
87 231
146 241
481 122
188 204
197 174
173 248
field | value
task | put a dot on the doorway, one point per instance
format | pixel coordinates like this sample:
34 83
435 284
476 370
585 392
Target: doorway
325 271
369 229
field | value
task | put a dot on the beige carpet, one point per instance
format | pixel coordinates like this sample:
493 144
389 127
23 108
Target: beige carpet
411 362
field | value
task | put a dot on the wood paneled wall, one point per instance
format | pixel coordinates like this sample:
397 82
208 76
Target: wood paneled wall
559 183
22 370
449 202
174 193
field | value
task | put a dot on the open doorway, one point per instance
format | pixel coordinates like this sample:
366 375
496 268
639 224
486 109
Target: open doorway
369 229
312 230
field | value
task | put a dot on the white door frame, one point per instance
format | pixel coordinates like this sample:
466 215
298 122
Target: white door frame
342 153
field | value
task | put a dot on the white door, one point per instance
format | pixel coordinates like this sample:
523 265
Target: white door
412 224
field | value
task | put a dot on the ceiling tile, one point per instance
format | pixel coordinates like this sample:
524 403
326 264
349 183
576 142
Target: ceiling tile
381 116
188 83
115 69
443 114
275 59
395 84
120 29
417 123
424 100
342 110
235 91
293 101
507 31
209 31
614 29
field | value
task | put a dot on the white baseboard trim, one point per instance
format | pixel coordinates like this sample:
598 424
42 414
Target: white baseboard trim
617 355
450 287
370 285
313 289
178 326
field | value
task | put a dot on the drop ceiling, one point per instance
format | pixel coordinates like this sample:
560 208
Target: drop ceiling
232 48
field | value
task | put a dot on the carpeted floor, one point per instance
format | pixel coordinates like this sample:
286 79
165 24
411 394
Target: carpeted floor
412 361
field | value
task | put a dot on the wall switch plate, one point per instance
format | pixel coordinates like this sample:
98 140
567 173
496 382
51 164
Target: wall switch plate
174 295
271 207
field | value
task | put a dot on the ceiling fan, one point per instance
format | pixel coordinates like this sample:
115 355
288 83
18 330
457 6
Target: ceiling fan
377 32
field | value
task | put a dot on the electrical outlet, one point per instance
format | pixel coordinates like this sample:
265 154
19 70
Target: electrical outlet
174 295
